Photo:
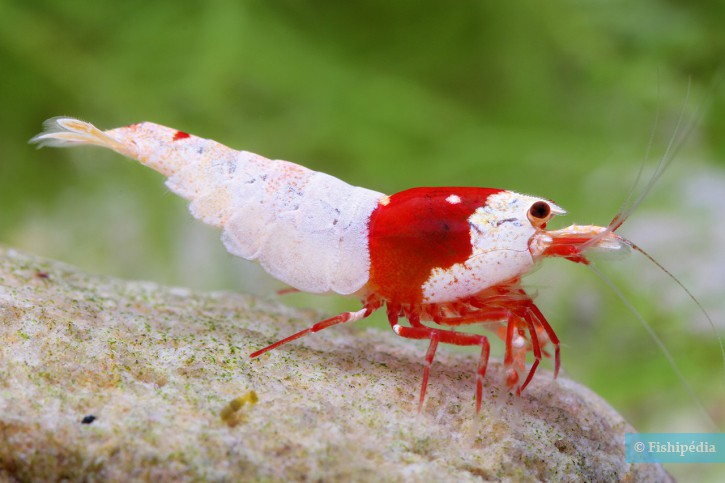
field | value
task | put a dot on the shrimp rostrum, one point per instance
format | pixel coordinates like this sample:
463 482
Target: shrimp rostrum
440 257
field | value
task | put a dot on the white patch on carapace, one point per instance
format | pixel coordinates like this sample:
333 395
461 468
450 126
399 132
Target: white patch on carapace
500 232
453 199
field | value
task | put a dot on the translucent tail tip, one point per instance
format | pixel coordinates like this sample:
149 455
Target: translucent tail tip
66 132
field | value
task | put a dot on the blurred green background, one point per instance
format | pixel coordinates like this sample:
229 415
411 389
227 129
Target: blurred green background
557 99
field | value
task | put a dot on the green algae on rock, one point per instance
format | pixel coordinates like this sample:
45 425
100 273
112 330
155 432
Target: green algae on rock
157 366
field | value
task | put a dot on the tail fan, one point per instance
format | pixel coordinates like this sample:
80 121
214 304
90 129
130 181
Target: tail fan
67 132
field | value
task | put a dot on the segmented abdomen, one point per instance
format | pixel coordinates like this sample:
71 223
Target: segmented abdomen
308 229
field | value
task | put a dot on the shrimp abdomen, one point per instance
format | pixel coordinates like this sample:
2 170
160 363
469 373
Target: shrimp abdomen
308 229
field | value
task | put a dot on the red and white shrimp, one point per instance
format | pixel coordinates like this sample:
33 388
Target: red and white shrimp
446 256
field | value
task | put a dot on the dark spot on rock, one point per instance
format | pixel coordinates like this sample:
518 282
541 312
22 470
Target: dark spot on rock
563 446
88 419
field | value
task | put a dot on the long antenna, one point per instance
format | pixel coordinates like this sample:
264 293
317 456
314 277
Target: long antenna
676 142
640 172
689 294
660 344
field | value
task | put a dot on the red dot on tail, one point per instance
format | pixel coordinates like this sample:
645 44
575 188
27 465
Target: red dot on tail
181 135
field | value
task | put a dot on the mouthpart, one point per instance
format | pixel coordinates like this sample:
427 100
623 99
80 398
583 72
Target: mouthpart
576 241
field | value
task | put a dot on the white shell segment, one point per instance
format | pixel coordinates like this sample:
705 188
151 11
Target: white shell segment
500 234
307 229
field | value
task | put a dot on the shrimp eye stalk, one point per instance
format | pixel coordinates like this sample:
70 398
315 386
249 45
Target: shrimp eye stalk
539 214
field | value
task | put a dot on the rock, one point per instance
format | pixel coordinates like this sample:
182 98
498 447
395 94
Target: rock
104 379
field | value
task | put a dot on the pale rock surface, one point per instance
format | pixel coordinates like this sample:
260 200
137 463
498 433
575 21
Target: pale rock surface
156 366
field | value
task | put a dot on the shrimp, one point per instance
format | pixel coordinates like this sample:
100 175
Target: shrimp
439 257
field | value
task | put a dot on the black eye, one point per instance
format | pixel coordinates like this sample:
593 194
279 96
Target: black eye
540 210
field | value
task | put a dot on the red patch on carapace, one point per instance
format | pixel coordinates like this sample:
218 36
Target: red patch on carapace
418 230
181 135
